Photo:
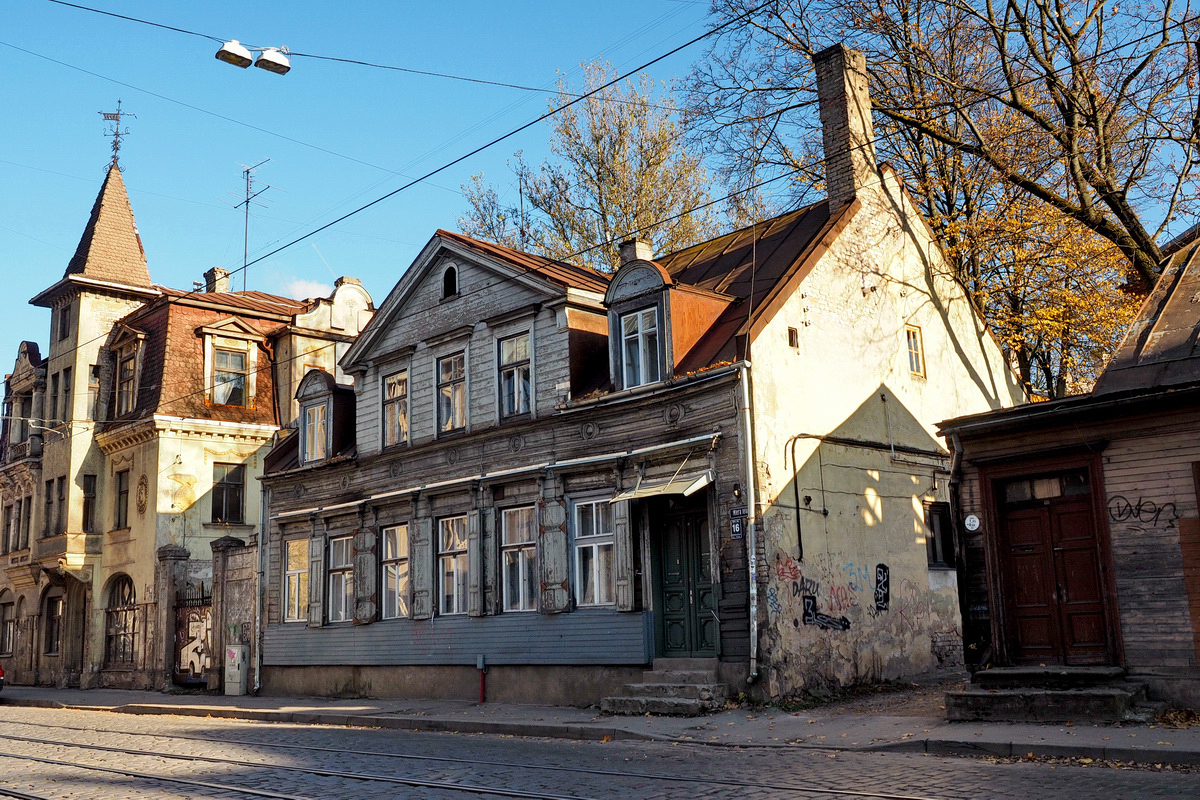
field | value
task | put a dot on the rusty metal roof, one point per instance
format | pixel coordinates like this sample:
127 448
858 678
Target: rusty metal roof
748 264
559 272
260 302
1161 347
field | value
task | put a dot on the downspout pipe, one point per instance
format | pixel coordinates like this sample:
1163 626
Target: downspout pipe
264 494
747 425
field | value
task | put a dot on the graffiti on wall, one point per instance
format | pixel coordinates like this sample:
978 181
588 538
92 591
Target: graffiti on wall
1147 512
814 617
825 604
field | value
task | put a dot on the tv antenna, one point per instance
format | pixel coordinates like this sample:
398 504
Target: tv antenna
114 130
248 175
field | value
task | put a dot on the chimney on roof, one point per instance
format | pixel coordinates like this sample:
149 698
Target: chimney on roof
635 249
216 280
845 105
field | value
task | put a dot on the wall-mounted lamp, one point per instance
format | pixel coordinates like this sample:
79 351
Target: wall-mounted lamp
272 59
737 491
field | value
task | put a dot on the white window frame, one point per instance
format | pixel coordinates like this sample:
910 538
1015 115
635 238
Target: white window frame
127 385
295 581
510 373
314 417
454 390
452 562
339 579
395 572
915 348
590 536
219 381
645 341
518 558
395 427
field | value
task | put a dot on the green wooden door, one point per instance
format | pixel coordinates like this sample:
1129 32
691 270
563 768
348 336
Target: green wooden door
687 620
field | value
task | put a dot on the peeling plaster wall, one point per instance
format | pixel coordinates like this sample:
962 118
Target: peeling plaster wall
862 604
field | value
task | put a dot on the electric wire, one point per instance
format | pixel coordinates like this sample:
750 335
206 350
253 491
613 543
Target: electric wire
503 137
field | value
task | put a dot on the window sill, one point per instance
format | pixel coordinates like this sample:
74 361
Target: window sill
233 526
524 416
451 434
942 567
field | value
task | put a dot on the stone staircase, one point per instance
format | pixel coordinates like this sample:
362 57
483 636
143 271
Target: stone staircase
678 687
1051 694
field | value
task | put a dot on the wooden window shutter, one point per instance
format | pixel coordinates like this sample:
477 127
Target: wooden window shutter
316 580
366 581
491 561
474 567
420 565
623 556
553 557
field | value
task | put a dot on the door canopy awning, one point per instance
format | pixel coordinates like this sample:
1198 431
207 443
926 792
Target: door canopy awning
685 485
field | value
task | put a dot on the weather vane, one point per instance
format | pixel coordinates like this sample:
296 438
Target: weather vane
114 130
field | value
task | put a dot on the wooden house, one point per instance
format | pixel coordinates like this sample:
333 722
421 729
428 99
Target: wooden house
717 463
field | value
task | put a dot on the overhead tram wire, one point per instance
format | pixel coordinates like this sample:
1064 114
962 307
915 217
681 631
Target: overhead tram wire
1094 57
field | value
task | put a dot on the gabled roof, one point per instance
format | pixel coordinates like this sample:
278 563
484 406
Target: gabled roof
759 264
560 272
1161 347
110 248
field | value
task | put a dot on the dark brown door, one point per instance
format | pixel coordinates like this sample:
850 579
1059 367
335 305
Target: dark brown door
1053 587
687 621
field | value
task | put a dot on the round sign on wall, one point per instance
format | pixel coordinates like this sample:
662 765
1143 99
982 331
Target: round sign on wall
971 523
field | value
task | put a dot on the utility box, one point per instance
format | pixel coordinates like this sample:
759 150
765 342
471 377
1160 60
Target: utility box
237 658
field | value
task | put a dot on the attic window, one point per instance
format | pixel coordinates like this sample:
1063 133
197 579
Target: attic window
126 378
639 351
449 283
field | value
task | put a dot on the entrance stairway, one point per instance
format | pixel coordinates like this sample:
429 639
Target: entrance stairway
1051 694
678 687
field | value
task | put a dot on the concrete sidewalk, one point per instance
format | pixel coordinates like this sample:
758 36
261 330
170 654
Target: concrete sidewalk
832 727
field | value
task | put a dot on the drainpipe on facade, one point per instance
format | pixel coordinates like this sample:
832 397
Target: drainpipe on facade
743 368
264 495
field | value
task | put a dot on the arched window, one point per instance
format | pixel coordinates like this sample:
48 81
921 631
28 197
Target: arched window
449 282
120 628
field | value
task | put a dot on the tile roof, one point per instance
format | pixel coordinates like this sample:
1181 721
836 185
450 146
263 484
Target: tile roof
110 248
559 272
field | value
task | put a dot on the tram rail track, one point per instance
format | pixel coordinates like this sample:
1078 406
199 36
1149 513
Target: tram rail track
470 788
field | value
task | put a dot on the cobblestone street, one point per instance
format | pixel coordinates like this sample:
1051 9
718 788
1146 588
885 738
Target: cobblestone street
63 754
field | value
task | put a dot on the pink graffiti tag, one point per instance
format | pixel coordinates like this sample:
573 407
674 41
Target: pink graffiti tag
787 570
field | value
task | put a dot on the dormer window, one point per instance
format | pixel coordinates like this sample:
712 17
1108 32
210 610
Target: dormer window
449 283
126 379
639 347
314 421
229 377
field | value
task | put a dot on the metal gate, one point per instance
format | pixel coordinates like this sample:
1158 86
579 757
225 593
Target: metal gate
193 635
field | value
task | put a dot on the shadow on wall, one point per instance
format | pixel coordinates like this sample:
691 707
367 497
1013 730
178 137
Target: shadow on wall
851 597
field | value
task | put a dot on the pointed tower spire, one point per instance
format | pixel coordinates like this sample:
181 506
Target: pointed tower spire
111 249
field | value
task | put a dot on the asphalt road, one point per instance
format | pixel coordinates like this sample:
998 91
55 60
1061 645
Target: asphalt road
60 754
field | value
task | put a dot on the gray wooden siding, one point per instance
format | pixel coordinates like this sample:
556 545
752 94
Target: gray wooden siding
585 636
482 295
1152 476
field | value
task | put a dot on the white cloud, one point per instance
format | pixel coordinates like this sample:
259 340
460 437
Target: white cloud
302 288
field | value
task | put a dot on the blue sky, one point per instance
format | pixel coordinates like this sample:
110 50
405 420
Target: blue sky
337 135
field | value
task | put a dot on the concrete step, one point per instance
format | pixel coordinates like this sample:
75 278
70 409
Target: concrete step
1056 677
1096 703
637 706
713 693
680 676
684 664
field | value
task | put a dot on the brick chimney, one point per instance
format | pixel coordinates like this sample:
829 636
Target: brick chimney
216 280
845 105
635 249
